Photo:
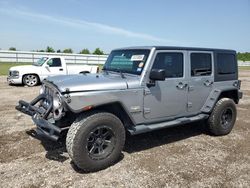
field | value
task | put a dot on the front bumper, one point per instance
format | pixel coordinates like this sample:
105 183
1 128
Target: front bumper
40 116
14 80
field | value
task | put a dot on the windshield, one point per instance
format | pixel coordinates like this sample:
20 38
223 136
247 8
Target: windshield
128 61
40 62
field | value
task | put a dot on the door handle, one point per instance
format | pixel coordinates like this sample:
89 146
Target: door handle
208 83
60 69
181 85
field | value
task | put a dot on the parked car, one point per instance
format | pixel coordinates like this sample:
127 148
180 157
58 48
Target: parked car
31 75
141 89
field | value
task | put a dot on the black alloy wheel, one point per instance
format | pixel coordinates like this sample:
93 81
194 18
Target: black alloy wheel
100 143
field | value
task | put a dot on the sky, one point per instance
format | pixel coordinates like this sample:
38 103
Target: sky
109 24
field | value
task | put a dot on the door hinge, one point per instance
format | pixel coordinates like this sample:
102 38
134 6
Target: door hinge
190 88
189 105
147 92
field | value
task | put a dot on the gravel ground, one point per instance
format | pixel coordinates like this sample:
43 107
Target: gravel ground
183 156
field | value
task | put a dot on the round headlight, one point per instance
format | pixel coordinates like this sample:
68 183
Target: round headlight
57 103
57 106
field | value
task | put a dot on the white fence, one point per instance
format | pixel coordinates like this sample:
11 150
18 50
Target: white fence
243 64
30 57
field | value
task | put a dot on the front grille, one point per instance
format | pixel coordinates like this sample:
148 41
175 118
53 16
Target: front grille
48 97
52 96
11 73
46 102
49 92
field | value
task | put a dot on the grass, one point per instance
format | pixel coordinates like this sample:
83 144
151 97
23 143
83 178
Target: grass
244 68
4 67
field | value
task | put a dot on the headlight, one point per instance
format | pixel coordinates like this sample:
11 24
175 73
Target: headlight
57 103
57 106
15 73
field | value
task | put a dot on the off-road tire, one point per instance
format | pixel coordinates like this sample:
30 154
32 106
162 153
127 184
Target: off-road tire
30 80
77 140
215 122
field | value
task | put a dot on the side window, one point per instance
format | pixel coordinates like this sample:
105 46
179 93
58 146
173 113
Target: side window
54 62
201 64
170 61
226 63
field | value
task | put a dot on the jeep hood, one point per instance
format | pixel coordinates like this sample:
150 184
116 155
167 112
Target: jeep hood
91 82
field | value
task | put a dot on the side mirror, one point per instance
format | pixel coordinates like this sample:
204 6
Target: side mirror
46 67
157 74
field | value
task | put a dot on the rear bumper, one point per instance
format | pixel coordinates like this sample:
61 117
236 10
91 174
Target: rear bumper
240 94
40 116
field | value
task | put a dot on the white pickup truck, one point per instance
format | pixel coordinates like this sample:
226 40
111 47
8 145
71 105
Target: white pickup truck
31 75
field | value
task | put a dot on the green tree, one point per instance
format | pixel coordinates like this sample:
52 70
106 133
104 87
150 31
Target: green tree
98 52
40 50
68 50
12 49
243 56
50 49
85 51
58 51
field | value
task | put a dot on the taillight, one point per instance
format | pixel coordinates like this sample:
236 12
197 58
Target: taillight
237 84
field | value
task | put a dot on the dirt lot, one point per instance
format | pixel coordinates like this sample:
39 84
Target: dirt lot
182 156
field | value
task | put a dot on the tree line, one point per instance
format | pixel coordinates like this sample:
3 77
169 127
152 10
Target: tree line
242 56
49 49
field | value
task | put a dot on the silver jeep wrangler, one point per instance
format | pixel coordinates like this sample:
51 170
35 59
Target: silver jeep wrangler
140 89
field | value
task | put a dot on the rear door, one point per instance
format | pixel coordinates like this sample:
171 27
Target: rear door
201 79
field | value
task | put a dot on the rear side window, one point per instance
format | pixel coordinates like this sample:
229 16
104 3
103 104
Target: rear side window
226 63
54 62
171 62
201 64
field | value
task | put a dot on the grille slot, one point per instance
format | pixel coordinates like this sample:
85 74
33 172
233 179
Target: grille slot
49 92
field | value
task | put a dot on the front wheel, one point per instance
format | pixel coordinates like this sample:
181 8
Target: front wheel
95 141
30 80
223 117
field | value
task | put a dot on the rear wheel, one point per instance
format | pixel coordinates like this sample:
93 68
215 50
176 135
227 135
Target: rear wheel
223 117
30 80
95 141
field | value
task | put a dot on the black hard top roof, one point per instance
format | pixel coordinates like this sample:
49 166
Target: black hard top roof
176 48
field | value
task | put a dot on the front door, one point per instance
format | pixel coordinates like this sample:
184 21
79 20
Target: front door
201 80
53 67
167 98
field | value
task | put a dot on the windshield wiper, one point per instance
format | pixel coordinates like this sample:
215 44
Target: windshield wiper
105 70
115 70
119 70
